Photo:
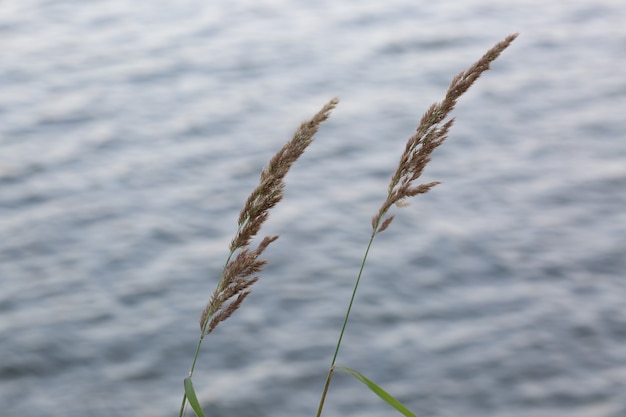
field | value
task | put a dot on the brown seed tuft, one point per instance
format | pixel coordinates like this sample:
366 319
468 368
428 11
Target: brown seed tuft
242 265
431 132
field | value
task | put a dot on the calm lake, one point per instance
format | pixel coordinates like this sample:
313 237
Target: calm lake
131 134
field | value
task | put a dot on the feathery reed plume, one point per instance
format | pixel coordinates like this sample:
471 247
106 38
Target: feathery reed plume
238 273
431 132
243 263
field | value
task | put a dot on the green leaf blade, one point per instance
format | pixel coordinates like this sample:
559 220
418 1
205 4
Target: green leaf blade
384 395
192 398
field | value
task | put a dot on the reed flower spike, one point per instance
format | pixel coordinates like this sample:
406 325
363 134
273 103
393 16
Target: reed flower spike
431 132
243 263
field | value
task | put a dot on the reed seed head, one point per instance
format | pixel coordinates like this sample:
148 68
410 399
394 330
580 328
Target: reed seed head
240 271
431 132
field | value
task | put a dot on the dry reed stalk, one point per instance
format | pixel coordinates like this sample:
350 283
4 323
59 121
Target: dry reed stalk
239 272
431 132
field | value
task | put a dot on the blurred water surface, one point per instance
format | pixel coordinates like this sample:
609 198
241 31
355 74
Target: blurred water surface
132 132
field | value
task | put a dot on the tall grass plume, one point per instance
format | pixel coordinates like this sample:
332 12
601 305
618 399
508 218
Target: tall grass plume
243 263
239 273
431 132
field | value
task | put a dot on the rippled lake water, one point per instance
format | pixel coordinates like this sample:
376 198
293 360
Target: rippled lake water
132 132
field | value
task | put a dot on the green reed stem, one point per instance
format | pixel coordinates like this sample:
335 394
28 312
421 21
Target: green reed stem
345 320
193 365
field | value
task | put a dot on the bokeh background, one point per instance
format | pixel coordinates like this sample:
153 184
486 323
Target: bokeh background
132 132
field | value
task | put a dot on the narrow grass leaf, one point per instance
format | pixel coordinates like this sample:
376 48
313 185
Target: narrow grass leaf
388 398
191 397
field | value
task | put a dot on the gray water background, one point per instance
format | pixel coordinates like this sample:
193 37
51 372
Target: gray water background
132 132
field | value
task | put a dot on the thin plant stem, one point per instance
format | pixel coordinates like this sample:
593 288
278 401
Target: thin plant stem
345 321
